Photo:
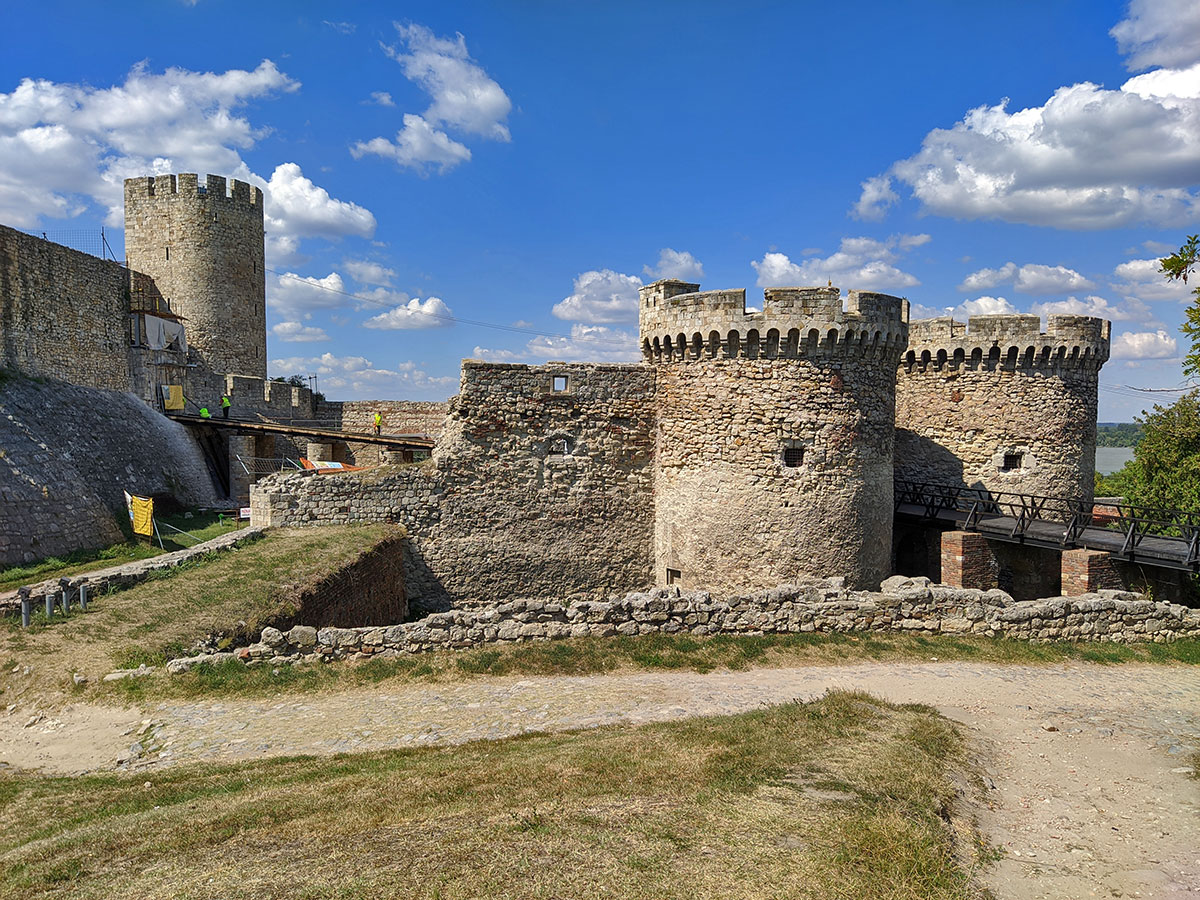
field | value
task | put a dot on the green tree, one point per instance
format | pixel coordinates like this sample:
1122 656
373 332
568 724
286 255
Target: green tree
1165 469
1177 267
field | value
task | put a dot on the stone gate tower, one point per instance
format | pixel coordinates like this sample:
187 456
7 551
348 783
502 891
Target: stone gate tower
998 404
775 433
203 248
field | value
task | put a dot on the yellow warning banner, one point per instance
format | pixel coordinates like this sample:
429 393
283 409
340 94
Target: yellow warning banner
141 514
173 396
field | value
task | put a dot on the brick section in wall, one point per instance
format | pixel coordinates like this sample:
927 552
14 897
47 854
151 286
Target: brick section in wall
1086 571
967 561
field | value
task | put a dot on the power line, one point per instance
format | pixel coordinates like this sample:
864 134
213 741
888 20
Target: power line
511 328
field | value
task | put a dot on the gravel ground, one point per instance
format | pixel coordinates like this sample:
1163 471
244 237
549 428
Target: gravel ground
1090 794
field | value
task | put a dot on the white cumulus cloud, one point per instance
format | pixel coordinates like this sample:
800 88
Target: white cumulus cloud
356 377
296 296
296 332
297 207
676 264
1142 278
983 306
861 263
416 313
1144 345
1159 33
1132 310
600 296
1089 157
1028 279
66 145
366 272
465 99
586 343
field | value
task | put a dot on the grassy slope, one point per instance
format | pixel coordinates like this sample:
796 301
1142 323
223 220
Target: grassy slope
843 797
202 526
166 614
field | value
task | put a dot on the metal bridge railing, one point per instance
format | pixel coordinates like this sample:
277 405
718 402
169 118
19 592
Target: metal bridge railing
259 465
1076 515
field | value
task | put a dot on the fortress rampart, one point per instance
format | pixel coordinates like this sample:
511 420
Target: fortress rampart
679 322
63 314
997 403
203 246
775 433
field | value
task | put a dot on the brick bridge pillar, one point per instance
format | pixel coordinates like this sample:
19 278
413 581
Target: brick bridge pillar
967 561
1085 571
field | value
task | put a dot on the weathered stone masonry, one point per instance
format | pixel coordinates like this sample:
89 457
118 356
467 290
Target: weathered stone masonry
998 404
531 491
774 433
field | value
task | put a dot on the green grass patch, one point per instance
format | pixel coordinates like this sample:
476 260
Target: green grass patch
731 807
233 592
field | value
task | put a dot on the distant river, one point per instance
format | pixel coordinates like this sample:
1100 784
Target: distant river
1109 459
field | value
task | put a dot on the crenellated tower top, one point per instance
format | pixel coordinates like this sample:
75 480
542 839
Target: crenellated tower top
1009 342
677 321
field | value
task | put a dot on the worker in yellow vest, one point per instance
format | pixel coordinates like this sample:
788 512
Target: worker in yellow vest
378 422
225 404
204 413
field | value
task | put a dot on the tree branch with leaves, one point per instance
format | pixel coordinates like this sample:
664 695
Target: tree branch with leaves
1177 267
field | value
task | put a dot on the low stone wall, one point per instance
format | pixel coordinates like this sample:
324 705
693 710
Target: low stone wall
104 581
820 606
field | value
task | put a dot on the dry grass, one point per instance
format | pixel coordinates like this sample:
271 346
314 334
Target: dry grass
845 797
169 612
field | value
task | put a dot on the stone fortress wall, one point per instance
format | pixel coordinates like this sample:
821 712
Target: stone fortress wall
541 484
63 314
203 248
775 431
998 404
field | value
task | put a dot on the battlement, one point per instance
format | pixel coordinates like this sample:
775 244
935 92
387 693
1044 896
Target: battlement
678 321
187 185
1008 341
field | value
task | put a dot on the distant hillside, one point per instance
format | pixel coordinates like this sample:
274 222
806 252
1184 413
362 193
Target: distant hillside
1118 434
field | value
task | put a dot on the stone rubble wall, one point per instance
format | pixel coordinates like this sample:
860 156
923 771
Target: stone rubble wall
499 510
63 314
905 605
967 395
399 417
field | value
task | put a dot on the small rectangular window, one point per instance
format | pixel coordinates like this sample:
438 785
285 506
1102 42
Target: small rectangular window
168 253
674 576
1012 461
793 456
558 384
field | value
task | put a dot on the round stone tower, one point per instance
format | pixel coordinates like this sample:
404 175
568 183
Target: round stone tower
775 434
997 404
203 248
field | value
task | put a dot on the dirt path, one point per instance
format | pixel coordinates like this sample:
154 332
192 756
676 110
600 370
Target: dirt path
1091 794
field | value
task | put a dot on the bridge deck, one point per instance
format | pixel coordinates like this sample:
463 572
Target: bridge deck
1036 530
243 426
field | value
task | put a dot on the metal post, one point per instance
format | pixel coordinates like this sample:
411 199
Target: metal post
83 595
49 604
26 606
65 583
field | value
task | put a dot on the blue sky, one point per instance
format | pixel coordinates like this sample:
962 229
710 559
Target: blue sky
433 166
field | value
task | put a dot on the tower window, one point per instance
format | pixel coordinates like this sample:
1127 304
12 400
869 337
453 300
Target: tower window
674 576
168 253
558 384
793 456
559 446
1012 462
